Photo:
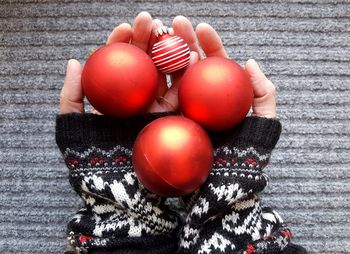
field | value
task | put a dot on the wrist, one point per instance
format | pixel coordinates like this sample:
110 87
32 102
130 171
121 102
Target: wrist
268 115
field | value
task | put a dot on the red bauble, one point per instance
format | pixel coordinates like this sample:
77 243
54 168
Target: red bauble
170 53
172 156
120 80
216 93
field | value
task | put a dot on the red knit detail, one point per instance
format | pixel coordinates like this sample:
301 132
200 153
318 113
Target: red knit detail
72 163
220 161
84 238
287 233
94 160
251 161
250 249
121 159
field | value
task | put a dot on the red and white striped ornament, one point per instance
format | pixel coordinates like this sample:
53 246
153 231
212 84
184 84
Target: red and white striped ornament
171 52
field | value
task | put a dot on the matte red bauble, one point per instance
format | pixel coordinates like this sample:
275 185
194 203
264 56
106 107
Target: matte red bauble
172 156
170 53
120 80
216 93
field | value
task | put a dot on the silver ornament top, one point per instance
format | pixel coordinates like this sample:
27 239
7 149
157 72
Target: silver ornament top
162 30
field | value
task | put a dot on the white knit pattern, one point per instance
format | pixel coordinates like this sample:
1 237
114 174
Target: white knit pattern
116 198
227 210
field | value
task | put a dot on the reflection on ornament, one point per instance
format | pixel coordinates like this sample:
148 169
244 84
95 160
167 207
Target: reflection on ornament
170 53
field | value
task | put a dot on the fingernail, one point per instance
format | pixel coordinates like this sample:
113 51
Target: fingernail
70 63
72 67
180 17
145 14
254 64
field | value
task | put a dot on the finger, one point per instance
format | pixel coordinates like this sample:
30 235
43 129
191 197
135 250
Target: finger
183 28
142 30
261 84
121 33
162 84
153 39
71 97
172 94
264 103
210 41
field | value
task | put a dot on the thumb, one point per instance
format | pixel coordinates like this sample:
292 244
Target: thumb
71 97
264 104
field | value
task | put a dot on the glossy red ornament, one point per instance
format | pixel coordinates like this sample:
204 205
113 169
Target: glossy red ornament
171 52
216 93
120 80
172 156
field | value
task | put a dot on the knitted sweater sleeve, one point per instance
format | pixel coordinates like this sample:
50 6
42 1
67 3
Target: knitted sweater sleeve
119 215
225 215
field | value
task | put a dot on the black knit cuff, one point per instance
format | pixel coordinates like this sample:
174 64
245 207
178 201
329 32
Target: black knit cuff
253 131
158 244
84 130
294 249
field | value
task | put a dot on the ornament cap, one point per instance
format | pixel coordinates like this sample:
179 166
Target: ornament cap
162 32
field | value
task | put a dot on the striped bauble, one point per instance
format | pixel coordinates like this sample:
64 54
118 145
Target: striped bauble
171 52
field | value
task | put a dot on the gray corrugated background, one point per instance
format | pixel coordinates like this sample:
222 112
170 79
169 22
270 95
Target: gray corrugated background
304 47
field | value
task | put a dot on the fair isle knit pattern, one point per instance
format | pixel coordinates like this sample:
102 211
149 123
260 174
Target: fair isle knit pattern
109 186
120 215
225 215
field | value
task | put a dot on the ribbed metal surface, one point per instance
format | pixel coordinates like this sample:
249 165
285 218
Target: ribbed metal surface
303 46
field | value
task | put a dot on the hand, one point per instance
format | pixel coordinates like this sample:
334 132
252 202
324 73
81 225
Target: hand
264 104
209 42
142 36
